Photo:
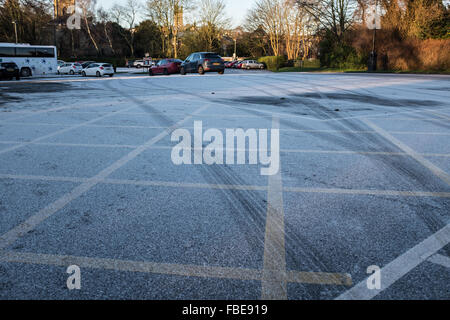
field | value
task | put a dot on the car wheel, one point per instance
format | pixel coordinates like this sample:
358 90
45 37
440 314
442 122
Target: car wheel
182 71
248 68
17 78
262 67
150 73
98 74
25 72
221 71
201 70
166 72
83 74
72 72
111 75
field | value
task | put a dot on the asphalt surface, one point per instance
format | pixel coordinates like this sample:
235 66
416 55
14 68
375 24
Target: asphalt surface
86 179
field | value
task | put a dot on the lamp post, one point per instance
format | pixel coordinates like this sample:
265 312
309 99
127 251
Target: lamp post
15 30
375 24
235 46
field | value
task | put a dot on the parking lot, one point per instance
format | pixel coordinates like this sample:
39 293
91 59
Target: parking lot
86 179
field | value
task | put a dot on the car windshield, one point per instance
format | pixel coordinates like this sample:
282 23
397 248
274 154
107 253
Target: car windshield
211 55
8 65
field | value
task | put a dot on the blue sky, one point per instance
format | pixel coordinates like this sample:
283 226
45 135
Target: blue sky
236 9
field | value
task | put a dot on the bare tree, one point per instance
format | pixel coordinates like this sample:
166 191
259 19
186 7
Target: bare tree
87 9
268 15
213 20
336 16
104 18
127 15
168 15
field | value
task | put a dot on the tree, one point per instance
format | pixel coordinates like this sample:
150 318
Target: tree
213 22
87 8
267 14
168 15
104 18
148 39
127 15
332 16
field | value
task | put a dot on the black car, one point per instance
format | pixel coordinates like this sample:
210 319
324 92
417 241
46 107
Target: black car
202 62
9 70
86 64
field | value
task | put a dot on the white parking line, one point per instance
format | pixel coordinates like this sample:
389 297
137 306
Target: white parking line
174 184
187 270
23 144
274 282
400 266
9 237
433 168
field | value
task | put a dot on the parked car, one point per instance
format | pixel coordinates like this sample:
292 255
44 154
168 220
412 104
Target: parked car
166 67
202 62
86 64
9 70
229 64
238 65
251 64
234 63
98 69
138 64
129 63
60 64
70 68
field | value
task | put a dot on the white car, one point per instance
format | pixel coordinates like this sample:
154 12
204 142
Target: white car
60 64
138 64
70 68
98 69
251 64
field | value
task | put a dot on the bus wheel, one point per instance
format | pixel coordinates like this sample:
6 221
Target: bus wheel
25 72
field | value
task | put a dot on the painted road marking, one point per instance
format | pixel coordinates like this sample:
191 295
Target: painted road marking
433 168
274 281
174 184
401 266
169 268
70 128
9 237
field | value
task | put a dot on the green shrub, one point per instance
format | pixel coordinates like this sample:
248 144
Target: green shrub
272 63
309 63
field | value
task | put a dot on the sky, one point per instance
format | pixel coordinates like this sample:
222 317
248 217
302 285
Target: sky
236 9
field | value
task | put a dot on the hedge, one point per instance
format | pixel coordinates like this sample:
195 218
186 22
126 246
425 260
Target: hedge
272 62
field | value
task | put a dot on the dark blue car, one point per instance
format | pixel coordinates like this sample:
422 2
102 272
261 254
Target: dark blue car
202 62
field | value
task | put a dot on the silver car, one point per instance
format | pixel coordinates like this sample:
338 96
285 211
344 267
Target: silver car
252 64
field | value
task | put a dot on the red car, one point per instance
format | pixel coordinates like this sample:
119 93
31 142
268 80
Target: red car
231 64
166 67
238 65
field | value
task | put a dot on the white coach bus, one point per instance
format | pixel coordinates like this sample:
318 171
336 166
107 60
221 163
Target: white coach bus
32 60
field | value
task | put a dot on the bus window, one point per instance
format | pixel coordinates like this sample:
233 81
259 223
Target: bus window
7 52
25 52
45 52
